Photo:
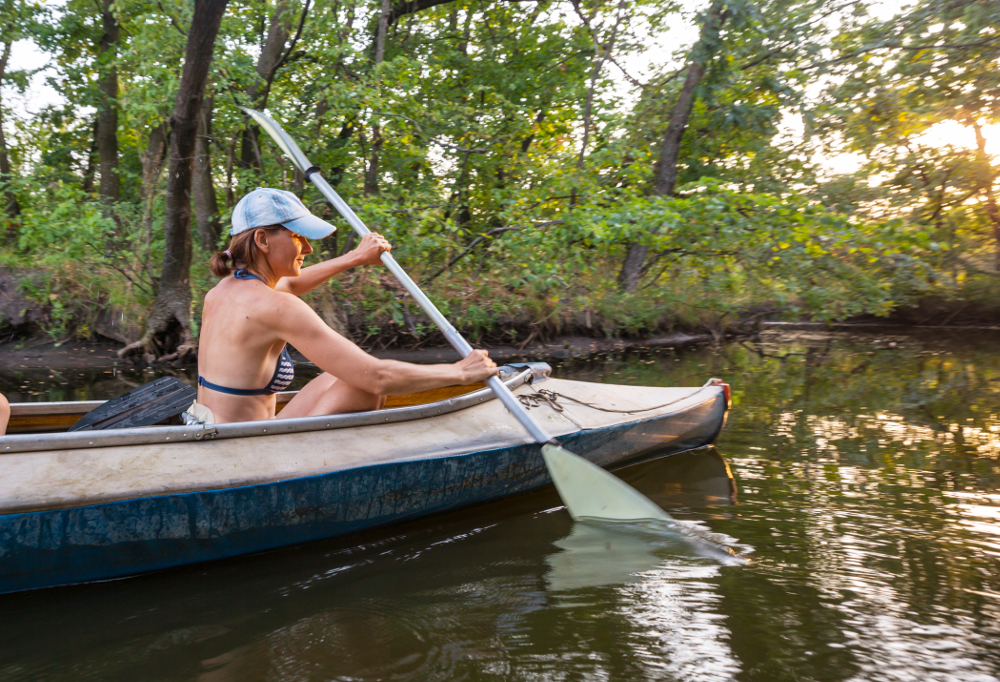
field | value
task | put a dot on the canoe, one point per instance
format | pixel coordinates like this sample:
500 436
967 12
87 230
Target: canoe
93 505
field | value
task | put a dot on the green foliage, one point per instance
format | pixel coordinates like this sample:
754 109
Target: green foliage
930 68
475 119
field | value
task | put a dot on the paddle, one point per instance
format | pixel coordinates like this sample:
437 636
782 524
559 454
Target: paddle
587 490
146 405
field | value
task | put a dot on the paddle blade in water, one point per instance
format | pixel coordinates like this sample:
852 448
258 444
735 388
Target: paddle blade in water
590 492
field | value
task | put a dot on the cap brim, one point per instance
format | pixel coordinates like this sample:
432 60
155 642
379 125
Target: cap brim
310 227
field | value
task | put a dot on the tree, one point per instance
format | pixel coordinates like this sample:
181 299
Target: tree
206 205
666 167
11 207
494 142
273 55
169 322
895 81
16 21
107 108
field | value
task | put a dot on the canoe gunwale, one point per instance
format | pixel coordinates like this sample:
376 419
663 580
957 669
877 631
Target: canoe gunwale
84 406
17 444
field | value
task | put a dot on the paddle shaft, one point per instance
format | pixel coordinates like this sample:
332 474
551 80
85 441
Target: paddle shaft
457 341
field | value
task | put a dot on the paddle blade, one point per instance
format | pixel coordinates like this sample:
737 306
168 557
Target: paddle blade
590 492
143 406
279 135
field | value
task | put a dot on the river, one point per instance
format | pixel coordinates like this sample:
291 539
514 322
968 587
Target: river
858 473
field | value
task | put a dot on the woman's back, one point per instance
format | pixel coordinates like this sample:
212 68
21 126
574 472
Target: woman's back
239 347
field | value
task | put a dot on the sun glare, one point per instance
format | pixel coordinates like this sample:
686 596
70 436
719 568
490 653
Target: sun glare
959 135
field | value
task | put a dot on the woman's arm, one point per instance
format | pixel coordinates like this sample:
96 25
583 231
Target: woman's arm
298 324
368 252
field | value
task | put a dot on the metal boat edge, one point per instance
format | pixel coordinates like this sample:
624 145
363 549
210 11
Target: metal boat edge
178 434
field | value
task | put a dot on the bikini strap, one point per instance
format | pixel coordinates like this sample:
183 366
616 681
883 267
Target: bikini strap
233 391
243 273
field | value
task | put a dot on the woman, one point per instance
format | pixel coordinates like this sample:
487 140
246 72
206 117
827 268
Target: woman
4 414
250 316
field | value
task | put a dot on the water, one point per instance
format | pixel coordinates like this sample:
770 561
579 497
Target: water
860 477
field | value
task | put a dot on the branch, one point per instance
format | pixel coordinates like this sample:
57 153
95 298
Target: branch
484 237
457 148
599 60
298 34
433 138
972 268
634 81
760 60
401 9
900 46
173 21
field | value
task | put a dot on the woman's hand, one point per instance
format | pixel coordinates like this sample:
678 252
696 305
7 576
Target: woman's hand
370 249
476 366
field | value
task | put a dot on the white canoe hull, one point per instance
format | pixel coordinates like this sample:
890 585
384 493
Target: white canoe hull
73 514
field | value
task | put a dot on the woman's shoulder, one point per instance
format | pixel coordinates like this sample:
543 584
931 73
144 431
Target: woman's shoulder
251 293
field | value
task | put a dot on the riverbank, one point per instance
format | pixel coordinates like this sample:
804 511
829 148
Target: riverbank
91 308
43 354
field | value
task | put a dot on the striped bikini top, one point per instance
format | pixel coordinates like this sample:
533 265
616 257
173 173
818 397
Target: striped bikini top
283 373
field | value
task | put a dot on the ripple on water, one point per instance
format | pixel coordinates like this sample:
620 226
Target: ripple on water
866 481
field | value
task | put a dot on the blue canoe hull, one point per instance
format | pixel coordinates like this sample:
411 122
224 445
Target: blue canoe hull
116 539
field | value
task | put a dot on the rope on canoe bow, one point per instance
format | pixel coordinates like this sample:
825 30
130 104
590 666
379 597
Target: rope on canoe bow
544 396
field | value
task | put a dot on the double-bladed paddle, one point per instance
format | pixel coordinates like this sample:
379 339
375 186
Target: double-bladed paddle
587 490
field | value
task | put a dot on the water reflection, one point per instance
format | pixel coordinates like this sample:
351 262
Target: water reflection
664 575
868 485
606 554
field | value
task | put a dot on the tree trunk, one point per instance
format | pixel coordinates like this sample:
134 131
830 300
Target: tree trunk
985 178
90 169
666 167
206 205
459 198
371 172
107 111
526 142
602 52
152 166
152 159
10 206
336 174
169 324
278 33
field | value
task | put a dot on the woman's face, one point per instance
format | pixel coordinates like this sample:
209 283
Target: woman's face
286 252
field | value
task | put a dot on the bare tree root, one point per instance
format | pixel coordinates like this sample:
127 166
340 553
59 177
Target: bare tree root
167 338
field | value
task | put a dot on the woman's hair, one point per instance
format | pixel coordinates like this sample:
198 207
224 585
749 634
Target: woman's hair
243 250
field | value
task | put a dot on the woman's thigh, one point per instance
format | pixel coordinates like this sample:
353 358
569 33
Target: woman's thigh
327 395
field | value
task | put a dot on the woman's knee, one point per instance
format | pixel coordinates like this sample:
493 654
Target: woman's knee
327 395
320 384
358 400
4 414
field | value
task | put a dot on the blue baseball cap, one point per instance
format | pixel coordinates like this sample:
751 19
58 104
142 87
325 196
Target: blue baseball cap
266 206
